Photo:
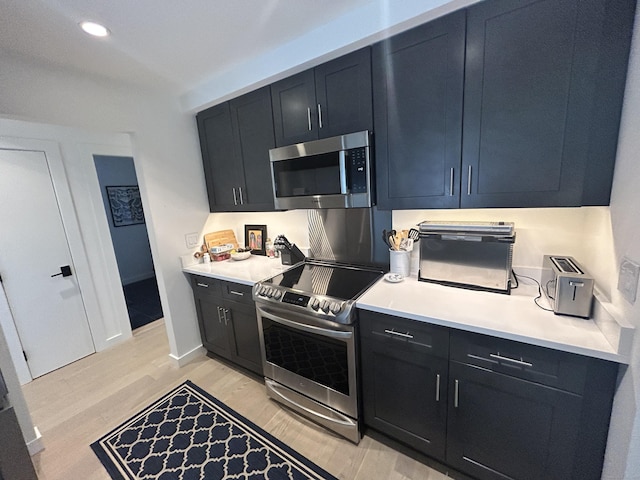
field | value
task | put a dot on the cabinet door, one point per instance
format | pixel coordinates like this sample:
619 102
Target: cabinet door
245 339
417 90
252 122
501 427
343 94
218 157
404 378
294 109
404 395
529 88
213 329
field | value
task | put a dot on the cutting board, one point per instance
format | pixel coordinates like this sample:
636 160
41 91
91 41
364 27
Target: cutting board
221 237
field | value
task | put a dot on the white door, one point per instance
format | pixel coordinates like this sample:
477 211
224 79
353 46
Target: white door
47 310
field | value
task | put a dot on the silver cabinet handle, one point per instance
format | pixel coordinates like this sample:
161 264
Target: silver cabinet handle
399 334
451 182
225 312
438 387
309 117
469 182
236 293
456 391
319 116
512 360
235 200
219 314
202 285
241 199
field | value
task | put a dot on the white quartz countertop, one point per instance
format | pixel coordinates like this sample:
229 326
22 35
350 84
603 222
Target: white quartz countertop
248 272
513 317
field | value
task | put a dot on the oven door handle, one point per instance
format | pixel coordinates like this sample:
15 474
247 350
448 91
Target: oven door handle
305 328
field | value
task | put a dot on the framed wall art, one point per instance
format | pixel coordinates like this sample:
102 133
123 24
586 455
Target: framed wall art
126 205
255 237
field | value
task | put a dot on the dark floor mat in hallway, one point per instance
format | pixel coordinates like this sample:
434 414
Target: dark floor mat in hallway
143 302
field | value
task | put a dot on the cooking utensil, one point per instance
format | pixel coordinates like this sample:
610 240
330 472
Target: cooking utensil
388 237
414 234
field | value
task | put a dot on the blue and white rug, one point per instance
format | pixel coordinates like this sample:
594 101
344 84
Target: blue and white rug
190 435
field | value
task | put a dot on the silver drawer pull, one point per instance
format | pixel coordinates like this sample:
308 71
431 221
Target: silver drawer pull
438 387
202 285
236 293
456 393
512 360
399 334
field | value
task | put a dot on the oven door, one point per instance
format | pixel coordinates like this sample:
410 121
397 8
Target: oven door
313 357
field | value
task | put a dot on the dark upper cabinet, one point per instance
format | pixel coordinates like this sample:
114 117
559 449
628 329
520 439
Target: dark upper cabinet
533 78
218 157
235 138
531 90
331 99
418 80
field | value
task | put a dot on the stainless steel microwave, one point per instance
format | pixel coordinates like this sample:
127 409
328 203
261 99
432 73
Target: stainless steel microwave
333 172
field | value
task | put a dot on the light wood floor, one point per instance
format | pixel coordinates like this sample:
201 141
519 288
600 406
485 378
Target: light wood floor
77 404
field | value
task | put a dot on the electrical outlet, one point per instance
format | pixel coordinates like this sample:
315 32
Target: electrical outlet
628 279
191 239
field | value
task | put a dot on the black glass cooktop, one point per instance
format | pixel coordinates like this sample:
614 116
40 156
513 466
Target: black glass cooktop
338 281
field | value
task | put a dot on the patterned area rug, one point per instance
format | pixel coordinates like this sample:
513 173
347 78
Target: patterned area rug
190 435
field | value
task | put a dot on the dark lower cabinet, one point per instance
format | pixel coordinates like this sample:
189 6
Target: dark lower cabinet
414 412
491 408
228 321
502 427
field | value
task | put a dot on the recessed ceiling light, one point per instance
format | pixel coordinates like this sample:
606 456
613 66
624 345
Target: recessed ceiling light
95 29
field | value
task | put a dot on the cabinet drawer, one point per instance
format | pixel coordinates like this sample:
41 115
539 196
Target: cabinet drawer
237 292
205 285
404 333
537 364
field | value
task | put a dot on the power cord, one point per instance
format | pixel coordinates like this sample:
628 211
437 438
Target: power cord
535 300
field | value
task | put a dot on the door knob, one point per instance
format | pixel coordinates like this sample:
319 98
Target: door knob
65 271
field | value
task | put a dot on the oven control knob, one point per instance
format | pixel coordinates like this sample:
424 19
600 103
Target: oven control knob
324 305
277 294
335 308
270 292
315 303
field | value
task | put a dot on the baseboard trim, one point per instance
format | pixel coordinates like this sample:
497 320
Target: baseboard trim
36 445
188 357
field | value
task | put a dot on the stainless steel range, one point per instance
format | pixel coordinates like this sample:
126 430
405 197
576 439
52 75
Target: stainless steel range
307 321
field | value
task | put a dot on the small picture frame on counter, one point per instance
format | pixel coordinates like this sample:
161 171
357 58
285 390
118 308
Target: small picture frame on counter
255 237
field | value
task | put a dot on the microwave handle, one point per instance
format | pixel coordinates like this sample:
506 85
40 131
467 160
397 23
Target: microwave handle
342 163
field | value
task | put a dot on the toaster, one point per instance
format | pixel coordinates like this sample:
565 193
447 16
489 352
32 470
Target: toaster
567 285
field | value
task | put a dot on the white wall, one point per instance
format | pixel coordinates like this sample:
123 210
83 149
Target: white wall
167 160
623 451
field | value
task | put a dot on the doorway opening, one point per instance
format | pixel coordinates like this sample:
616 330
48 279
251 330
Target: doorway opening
123 207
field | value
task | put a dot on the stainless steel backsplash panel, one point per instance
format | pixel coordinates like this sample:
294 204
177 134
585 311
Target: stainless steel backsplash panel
351 235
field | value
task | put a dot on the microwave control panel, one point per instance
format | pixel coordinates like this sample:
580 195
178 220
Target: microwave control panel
357 162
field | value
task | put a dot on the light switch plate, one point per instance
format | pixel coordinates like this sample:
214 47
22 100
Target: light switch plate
191 239
628 279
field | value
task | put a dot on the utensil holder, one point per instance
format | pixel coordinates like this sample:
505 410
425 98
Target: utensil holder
399 262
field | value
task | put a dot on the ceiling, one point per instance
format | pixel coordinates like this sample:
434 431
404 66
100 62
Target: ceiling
171 43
